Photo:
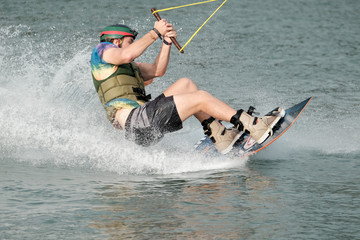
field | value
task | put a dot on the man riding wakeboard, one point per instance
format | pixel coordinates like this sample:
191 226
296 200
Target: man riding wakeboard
120 83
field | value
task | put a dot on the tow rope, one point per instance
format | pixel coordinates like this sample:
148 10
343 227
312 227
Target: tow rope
181 49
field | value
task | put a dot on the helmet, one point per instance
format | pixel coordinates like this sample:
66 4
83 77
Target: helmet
117 31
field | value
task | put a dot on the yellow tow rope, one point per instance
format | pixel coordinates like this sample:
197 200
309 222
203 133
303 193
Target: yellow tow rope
188 5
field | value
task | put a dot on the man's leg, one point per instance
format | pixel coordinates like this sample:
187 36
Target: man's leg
195 102
191 101
189 104
200 101
223 138
182 86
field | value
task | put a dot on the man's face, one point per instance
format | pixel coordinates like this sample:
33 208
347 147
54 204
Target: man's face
126 41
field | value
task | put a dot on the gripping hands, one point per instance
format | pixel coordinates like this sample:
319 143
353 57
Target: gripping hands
165 29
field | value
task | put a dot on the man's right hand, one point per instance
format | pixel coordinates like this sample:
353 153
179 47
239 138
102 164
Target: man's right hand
163 26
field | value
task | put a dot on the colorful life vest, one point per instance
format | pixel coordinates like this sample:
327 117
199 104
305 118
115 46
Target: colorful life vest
125 82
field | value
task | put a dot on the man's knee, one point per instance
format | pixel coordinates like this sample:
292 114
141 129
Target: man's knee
188 84
203 94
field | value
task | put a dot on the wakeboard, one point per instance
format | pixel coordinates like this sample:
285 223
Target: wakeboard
246 145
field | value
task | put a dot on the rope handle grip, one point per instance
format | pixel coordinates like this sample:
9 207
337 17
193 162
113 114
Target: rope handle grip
157 16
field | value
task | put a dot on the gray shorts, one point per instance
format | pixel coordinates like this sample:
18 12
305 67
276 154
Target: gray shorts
147 124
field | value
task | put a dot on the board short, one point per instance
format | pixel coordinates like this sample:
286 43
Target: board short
147 124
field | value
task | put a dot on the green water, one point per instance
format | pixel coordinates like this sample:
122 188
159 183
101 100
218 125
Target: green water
67 174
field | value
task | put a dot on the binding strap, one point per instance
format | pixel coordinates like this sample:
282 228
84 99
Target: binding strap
142 96
236 120
206 126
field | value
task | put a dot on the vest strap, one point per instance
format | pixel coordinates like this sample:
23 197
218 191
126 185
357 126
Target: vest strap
144 98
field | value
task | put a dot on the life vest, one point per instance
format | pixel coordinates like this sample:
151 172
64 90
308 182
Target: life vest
125 82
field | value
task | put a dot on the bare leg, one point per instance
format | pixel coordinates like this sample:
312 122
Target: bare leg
183 86
190 101
189 104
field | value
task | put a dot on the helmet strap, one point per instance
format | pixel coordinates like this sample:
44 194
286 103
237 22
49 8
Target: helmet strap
120 41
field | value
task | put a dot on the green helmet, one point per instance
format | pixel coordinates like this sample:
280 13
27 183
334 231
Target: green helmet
117 31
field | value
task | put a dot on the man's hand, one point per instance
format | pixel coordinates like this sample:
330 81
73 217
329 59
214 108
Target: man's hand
166 29
170 34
